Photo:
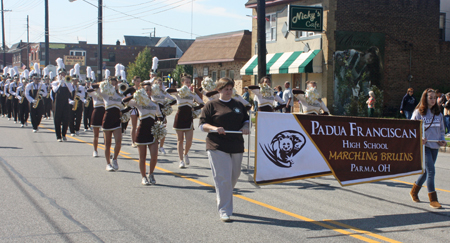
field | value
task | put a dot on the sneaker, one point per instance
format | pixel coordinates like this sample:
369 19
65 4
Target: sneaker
21 125
182 165
95 154
145 181
64 139
115 165
85 129
59 140
109 167
134 145
186 159
161 150
72 134
15 122
9 119
151 177
225 218
34 130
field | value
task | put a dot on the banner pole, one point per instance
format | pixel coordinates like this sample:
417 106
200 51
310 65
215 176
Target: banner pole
423 145
248 142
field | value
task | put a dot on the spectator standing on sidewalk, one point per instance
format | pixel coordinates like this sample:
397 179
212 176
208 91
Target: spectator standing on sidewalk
371 103
280 94
409 103
288 97
447 114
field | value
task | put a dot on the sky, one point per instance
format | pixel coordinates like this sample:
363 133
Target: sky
70 22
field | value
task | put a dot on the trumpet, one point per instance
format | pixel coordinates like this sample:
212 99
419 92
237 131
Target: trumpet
68 78
123 87
77 100
88 101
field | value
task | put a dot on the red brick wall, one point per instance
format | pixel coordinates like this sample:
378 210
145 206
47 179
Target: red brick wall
407 24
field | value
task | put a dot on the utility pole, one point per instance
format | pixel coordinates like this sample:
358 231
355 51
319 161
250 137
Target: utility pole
3 34
28 43
261 38
46 35
100 41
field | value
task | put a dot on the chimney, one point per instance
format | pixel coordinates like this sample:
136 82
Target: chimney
117 43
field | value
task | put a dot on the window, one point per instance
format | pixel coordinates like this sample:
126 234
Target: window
442 26
195 73
223 73
232 74
205 71
77 53
112 56
271 27
214 76
301 34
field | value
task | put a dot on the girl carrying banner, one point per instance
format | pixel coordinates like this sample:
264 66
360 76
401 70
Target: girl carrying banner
428 111
265 96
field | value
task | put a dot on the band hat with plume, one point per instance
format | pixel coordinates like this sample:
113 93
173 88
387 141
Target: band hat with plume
155 61
50 75
123 75
16 72
61 67
71 72
107 74
45 72
5 71
117 70
12 72
37 71
26 75
76 71
88 74
93 76
31 74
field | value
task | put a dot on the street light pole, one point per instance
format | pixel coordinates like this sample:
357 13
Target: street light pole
261 38
47 62
3 34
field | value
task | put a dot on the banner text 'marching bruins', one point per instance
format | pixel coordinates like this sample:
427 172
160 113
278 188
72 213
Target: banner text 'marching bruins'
369 156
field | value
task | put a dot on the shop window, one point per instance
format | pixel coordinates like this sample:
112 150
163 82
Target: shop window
223 73
232 74
214 76
112 56
271 27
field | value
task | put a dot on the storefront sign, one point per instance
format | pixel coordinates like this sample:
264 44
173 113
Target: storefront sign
355 150
56 46
72 60
305 18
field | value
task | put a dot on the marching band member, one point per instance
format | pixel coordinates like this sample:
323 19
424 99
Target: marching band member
2 91
183 123
22 100
122 78
62 90
111 120
265 96
310 100
88 106
76 102
34 93
8 97
12 91
148 111
47 99
97 113
159 96
134 113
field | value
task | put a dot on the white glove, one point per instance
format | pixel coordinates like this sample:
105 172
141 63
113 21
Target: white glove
71 102
19 98
33 101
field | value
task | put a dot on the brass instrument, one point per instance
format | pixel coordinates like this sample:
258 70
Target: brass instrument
38 97
10 97
123 87
77 101
68 78
22 95
88 101
49 89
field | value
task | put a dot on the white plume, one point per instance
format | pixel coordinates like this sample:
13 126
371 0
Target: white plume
60 64
26 74
155 61
93 75
50 75
36 69
5 70
123 75
76 69
88 72
31 73
71 72
16 70
107 73
45 72
117 68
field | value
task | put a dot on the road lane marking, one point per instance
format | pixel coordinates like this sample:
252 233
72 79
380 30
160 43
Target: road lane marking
361 231
342 231
409 183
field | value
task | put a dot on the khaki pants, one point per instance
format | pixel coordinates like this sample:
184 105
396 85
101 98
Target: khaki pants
226 169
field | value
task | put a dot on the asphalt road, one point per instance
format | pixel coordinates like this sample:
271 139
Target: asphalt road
57 192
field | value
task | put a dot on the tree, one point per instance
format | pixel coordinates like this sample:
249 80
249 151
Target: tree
179 70
141 66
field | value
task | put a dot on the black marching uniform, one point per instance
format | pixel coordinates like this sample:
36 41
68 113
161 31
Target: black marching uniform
23 105
61 92
8 102
14 101
33 92
88 108
48 102
75 115
3 97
